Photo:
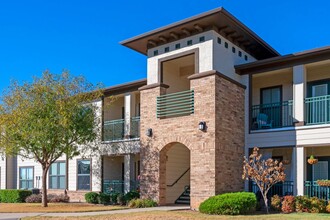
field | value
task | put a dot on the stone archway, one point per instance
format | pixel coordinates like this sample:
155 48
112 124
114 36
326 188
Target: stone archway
174 175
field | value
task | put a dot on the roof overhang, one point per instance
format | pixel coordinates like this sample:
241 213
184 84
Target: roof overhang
218 19
126 87
305 57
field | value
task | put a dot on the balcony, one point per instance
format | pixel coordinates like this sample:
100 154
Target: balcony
273 115
317 110
175 104
282 188
114 130
313 189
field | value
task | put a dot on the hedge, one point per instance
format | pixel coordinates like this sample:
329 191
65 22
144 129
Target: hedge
142 203
229 204
92 197
14 195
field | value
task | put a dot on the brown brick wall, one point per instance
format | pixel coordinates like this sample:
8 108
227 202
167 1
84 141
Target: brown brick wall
204 147
229 136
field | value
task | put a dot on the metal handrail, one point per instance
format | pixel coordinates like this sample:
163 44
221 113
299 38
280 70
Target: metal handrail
176 181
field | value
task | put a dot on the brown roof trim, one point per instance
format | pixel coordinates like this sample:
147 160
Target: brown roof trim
217 18
286 61
154 85
125 87
214 72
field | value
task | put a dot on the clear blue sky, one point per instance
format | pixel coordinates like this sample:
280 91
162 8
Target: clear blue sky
82 35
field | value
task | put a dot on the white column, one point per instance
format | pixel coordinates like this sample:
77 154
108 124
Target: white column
129 160
299 92
300 170
129 112
294 170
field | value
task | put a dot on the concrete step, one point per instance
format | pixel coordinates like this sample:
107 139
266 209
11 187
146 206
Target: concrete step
179 201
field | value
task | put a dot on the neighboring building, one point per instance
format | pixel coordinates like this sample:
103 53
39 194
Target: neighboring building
214 90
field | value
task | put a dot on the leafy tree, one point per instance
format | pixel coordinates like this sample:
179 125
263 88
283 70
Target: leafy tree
52 116
265 173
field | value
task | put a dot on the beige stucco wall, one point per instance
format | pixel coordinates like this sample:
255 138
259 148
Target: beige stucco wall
114 109
318 72
276 78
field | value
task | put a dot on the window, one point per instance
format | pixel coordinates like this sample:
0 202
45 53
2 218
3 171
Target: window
26 178
167 49
189 42
219 40
226 45
240 53
202 39
320 171
57 175
234 50
246 57
177 46
84 175
155 52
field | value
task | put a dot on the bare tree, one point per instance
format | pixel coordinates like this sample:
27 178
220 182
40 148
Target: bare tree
265 173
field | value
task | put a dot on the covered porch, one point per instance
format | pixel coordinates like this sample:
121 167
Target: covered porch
120 173
319 170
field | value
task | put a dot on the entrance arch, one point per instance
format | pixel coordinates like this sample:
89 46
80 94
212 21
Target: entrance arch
175 174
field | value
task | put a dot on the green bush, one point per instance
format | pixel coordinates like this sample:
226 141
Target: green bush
131 195
113 198
142 203
303 204
104 198
120 199
14 195
229 204
317 205
276 203
92 197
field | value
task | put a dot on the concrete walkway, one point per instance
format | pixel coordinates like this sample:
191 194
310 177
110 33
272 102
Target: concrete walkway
9 216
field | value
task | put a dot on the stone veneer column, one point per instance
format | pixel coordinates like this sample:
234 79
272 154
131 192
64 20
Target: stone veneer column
299 93
129 160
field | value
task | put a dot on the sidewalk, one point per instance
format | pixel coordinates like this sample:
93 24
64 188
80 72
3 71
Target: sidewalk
8 216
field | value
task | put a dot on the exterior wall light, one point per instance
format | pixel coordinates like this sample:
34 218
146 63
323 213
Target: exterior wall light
202 126
149 132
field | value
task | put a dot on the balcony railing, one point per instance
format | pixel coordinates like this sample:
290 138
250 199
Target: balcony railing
117 186
175 104
281 188
273 115
317 110
114 130
135 127
313 189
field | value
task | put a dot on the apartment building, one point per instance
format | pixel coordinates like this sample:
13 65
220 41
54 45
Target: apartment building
214 90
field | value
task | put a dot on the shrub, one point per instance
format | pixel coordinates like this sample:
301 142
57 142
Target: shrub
142 203
303 204
104 198
288 204
52 198
34 198
14 195
328 208
92 197
276 203
317 205
131 195
113 198
229 204
120 199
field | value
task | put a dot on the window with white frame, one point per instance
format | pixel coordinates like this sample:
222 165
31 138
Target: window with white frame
26 177
84 175
57 175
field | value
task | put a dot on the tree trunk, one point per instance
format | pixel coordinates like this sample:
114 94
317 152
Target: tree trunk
44 187
266 203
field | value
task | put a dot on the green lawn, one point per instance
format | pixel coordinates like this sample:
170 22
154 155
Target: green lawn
190 215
